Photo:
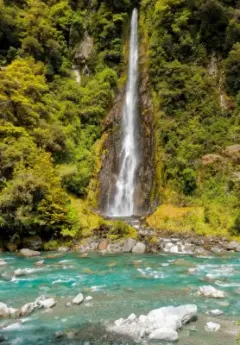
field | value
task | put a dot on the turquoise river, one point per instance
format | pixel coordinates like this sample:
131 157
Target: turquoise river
119 285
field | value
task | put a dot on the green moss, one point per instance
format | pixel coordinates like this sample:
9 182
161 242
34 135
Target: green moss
93 188
51 245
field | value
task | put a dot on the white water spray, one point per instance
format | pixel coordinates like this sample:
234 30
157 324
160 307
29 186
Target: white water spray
123 203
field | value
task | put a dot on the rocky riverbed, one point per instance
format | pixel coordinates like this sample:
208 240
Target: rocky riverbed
64 298
151 241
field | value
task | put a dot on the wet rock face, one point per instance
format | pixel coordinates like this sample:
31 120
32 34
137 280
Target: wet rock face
33 243
110 154
82 55
111 150
145 172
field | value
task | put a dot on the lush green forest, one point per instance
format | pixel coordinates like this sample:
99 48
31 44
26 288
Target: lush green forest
51 126
193 50
49 123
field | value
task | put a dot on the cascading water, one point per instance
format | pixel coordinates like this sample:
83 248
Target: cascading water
123 203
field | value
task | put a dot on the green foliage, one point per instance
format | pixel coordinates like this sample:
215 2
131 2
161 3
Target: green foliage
33 198
187 39
49 124
232 69
120 230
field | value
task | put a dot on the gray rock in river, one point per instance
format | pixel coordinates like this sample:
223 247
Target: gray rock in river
128 245
47 303
27 309
139 248
28 253
8 312
78 299
210 291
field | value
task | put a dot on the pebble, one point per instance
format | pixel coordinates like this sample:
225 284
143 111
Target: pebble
216 312
59 334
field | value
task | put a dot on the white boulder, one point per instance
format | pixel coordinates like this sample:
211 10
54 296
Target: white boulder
3 310
47 303
78 299
23 271
139 248
159 324
212 327
192 270
27 309
9 312
2 262
88 298
210 291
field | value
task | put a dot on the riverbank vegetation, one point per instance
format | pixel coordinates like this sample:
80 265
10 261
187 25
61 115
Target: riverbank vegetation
193 53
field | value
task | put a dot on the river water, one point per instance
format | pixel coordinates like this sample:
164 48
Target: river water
119 285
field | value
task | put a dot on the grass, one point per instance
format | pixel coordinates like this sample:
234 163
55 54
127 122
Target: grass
212 221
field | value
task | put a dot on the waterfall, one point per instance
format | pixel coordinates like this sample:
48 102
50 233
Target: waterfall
123 203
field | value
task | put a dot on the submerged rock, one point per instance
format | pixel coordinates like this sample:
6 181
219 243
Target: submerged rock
139 248
78 299
210 291
28 253
159 324
212 327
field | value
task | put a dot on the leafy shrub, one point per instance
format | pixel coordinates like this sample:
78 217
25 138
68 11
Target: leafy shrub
120 230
